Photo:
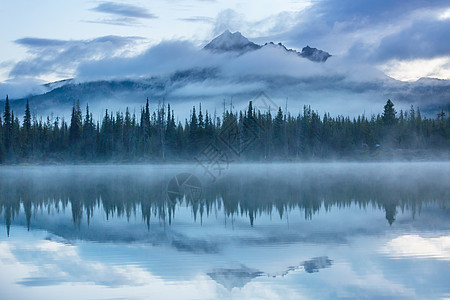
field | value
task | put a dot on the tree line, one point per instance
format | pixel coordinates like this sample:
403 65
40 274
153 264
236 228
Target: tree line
251 135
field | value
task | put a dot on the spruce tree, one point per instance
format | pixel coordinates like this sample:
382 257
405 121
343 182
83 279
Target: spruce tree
27 118
278 131
75 125
26 129
127 132
193 132
7 125
171 131
389 113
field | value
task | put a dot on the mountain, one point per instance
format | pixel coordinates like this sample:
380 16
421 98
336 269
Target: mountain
236 42
182 89
315 54
228 41
312 54
56 84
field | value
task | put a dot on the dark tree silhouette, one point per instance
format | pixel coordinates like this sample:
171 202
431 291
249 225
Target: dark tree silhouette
389 113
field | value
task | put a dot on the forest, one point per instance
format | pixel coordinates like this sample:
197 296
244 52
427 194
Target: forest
250 135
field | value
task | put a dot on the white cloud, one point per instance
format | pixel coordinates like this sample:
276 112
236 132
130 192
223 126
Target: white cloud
62 57
21 87
410 70
444 15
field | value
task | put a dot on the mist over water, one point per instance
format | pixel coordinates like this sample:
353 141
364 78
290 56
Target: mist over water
258 231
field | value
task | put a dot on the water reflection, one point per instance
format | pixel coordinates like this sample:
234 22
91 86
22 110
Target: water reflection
247 191
259 231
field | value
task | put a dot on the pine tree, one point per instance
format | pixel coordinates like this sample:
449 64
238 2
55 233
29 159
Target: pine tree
127 133
27 118
193 132
16 145
201 128
26 126
7 126
171 131
75 126
88 135
106 137
278 131
389 113
146 129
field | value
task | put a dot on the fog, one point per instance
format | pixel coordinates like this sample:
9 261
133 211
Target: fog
254 188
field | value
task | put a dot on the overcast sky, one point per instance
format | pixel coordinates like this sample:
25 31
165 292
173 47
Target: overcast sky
52 40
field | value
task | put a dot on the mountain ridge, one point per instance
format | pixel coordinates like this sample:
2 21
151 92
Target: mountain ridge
236 42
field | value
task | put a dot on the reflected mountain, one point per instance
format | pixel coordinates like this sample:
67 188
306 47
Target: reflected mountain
234 278
313 265
239 277
310 266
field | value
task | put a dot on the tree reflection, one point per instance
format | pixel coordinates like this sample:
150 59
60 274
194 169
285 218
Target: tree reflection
123 195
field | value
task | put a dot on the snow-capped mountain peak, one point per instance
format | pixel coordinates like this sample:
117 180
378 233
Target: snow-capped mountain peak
228 41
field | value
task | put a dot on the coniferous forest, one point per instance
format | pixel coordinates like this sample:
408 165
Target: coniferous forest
246 135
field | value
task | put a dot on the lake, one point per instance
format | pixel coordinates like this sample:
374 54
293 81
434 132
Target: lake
253 231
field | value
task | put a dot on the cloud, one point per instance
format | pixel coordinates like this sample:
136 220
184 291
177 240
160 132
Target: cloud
170 57
117 21
373 12
39 43
186 72
124 10
125 14
198 19
22 87
161 59
343 26
408 70
423 39
178 70
261 30
228 19
62 57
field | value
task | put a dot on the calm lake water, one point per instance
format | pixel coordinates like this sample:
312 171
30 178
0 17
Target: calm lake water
275 231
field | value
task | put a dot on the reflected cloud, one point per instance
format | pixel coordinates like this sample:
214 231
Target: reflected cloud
415 246
61 263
